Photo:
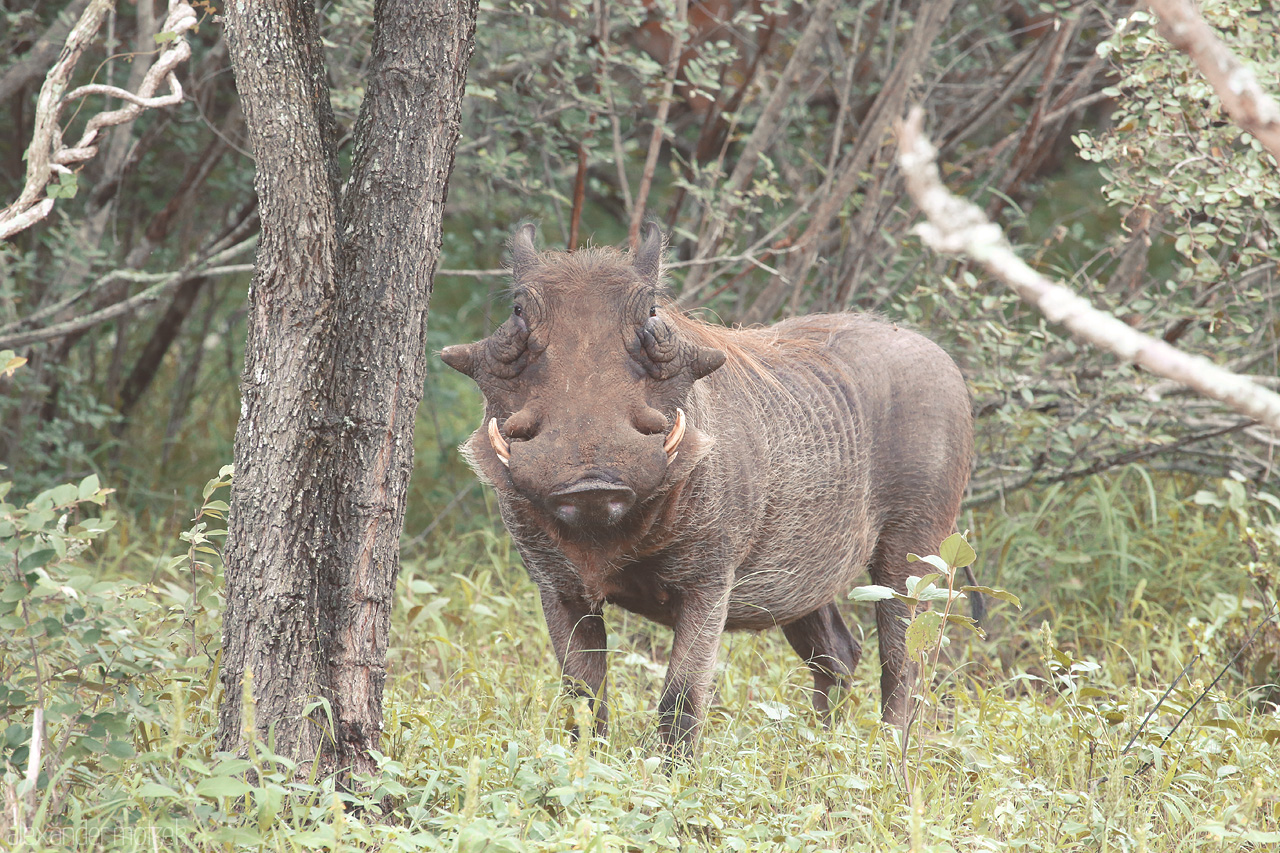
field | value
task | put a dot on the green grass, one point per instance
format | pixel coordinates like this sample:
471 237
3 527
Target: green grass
1021 744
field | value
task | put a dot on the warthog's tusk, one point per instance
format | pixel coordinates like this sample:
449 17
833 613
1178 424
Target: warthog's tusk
500 446
673 440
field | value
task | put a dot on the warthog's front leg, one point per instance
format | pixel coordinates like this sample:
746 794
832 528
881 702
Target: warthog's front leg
693 661
579 639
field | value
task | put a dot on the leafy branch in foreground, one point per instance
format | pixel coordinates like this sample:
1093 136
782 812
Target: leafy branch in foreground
926 631
86 663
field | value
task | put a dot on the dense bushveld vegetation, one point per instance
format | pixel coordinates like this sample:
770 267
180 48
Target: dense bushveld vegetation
1140 529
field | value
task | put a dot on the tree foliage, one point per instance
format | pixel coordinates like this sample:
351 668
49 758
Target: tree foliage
557 125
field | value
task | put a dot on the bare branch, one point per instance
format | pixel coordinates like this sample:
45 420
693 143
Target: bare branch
659 121
1236 85
767 125
163 282
957 226
838 186
46 154
500 271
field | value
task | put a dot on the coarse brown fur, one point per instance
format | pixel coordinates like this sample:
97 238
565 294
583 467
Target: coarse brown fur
825 446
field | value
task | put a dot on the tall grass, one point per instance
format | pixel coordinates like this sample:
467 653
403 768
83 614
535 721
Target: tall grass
1022 746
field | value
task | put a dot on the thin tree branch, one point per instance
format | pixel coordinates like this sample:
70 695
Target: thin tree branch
163 283
840 185
46 133
957 226
659 121
993 491
42 53
500 271
770 118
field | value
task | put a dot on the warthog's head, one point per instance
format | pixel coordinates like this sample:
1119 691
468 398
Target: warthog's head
585 384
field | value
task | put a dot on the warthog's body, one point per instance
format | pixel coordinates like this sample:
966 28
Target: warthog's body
825 446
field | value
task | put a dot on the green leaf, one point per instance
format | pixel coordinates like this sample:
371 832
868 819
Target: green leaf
35 560
269 800
66 186
1259 836
933 560
924 634
995 592
957 552
915 585
89 487
223 786
967 622
155 789
121 749
14 592
1223 723
161 38
871 592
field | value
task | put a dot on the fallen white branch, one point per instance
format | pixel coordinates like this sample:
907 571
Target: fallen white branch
46 154
957 226
1235 84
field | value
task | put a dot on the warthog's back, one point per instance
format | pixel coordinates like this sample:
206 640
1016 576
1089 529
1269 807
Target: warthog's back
846 424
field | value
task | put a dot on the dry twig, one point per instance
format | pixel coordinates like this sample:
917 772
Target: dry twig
767 125
659 121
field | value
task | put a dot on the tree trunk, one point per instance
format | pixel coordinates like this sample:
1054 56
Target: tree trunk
334 365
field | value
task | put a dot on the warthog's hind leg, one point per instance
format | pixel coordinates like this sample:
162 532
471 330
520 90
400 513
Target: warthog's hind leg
889 567
824 642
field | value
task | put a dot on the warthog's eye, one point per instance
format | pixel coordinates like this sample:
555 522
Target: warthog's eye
653 312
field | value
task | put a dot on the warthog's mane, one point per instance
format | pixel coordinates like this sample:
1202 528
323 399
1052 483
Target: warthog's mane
751 353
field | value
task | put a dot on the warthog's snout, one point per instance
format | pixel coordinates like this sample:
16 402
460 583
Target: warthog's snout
592 501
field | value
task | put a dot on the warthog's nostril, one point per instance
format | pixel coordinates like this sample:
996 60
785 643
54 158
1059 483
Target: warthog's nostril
592 501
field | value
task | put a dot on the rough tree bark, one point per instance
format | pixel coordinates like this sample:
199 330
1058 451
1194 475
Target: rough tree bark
334 365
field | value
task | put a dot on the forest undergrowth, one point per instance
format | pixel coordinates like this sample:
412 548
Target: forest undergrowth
1091 719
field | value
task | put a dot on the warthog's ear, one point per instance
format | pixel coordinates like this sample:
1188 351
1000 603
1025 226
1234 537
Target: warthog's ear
648 262
462 358
707 360
523 254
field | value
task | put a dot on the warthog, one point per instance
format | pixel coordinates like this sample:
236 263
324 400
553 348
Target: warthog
710 478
